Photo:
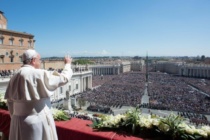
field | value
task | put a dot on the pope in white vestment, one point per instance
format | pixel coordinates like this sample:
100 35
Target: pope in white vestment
28 96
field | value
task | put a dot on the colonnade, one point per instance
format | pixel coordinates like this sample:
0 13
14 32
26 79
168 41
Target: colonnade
195 71
106 70
85 83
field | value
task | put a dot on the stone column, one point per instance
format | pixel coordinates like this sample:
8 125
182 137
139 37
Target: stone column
81 84
104 71
98 73
199 71
118 70
204 73
85 84
191 72
187 72
92 72
91 85
72 86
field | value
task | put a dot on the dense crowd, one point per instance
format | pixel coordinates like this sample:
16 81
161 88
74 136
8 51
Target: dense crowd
174 93
100 79
166 92
124 89
201 84
189 96
195 118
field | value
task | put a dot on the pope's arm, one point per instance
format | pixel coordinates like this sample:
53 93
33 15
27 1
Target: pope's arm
53 80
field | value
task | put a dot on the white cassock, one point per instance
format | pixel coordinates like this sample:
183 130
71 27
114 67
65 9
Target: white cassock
28 95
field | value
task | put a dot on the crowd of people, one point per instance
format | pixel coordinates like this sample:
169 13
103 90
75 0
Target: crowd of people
189 96
197 119
201 84
98 108
174 93
101 79
5 73
124 89
80 116
58 70
166 92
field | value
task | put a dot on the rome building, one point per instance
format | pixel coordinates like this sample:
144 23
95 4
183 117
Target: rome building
12 45
183 69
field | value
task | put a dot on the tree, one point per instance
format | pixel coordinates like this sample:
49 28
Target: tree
136 57
81 102
203 58
82 62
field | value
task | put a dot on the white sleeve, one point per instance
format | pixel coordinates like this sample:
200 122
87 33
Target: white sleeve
54 80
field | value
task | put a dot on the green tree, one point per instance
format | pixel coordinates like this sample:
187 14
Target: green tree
81 102
82 62
203 58
136 57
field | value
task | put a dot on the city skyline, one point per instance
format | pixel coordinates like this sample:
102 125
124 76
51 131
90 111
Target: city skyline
113 27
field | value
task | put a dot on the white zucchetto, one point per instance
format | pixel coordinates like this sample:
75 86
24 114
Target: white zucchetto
29 54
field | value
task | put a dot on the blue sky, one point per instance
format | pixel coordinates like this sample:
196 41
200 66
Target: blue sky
113 27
